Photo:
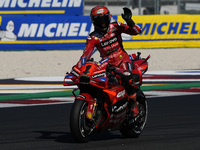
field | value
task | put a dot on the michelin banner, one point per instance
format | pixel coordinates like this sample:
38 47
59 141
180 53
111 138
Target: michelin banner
70 32
43 33
160 31
41 7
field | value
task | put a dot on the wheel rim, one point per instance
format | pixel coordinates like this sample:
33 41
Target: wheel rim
140 120
83 121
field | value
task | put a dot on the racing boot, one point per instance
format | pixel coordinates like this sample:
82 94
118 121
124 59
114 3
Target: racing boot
129 84
133 107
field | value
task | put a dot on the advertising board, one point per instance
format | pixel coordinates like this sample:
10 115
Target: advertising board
70 32
165 31
49 32
41 7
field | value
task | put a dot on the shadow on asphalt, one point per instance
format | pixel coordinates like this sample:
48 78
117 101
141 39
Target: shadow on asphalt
66 137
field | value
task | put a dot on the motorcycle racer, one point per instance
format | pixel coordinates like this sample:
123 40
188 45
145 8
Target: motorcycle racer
106 37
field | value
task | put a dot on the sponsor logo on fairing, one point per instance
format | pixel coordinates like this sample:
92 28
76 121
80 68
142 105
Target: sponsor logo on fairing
98 75
120 108
121 94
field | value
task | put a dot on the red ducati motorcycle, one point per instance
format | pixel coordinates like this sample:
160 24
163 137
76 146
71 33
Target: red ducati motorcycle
102 104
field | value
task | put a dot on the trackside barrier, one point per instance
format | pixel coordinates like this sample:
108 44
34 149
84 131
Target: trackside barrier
160 31
70 32
44 32
41 7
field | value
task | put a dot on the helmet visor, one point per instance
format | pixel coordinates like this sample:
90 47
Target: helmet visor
102 21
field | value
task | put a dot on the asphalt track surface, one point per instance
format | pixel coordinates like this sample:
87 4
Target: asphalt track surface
173 124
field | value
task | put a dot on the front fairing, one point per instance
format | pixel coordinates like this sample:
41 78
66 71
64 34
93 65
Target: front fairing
91 73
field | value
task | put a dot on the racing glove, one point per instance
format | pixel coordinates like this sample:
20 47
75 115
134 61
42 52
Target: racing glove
127 17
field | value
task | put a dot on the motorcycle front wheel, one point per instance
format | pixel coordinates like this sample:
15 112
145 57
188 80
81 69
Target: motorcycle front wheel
133 128
80 126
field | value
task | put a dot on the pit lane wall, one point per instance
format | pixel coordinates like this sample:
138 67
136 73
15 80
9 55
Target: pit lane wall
53 32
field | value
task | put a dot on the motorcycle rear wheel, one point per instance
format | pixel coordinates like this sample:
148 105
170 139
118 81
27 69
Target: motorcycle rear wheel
80 126
134 129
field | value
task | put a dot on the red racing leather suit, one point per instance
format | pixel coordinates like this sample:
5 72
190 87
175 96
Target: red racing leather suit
110 46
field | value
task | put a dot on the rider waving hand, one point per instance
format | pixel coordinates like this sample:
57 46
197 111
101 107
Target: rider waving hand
106 37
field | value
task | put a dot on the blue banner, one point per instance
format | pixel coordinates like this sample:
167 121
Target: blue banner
44 33
41 7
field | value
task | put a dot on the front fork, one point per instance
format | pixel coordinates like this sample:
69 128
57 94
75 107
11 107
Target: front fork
92 104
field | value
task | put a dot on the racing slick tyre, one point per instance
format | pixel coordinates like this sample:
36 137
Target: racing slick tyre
80 126
133 127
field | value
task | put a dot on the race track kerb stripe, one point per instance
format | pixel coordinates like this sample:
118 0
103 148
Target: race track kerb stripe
36 95
69 93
